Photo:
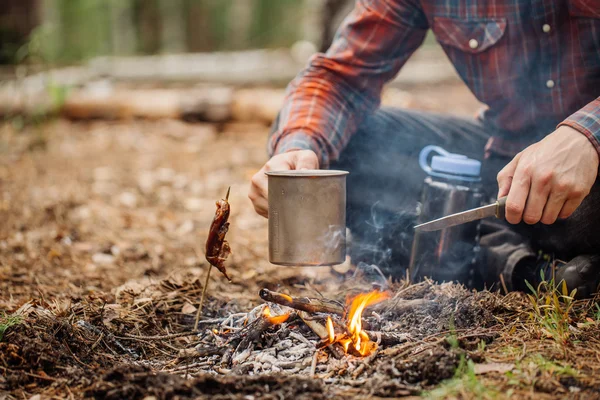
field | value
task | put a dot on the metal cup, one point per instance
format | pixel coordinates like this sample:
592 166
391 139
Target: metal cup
307 217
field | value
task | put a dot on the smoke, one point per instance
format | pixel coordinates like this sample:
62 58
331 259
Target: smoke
372 274
382 239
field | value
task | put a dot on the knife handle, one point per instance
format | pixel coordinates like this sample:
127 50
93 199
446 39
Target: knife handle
501 207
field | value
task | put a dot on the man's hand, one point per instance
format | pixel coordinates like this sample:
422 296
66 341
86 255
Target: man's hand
299 159
549 179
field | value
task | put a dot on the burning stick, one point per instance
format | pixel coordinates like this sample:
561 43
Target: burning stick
312 305
303 303
321 332
355 340
252 332
217 248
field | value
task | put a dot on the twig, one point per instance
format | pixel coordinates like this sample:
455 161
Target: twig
164 337
321 332
199 312
313 364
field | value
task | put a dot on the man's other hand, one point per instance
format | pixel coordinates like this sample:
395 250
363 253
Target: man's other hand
293 160
549 179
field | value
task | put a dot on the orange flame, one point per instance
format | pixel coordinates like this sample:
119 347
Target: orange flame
330 330
279 319
355 335
287 298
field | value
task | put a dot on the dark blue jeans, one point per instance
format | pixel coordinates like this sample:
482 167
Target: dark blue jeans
385 182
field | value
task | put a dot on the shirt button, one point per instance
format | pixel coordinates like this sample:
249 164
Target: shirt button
473 43
550 84
546 28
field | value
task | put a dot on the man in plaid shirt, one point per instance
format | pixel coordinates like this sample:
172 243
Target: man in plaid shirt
535 64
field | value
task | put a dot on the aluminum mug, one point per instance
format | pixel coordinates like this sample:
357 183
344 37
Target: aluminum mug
307 217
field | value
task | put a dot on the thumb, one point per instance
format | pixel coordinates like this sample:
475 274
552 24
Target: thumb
505 176
306 159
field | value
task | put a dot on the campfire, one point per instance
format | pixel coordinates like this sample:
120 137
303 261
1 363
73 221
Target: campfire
354 334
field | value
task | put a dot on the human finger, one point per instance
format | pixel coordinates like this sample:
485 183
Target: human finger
553 207
517 195
505 176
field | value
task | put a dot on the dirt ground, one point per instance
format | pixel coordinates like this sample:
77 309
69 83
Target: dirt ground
102 264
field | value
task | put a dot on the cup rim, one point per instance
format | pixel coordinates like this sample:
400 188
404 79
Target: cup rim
308 173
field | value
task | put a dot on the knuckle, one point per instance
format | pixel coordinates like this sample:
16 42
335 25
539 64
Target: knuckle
531 219
501 176
563 186
579 191
548 220
528 169
513 208
545 177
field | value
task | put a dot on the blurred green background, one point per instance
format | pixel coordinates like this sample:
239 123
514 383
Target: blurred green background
64 31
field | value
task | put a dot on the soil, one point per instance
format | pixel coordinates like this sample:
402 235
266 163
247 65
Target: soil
101 263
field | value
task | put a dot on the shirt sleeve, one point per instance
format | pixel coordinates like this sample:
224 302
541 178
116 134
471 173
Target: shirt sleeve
327 101
587 121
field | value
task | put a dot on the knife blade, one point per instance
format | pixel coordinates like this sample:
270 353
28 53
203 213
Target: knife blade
491 210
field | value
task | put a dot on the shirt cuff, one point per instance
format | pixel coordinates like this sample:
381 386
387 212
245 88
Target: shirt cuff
300 140
587 121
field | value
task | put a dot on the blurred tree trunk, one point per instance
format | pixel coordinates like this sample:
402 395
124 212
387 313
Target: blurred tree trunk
18 18
122 23
198 37
51 21
149 26
332 15
173 28
311 21
240 23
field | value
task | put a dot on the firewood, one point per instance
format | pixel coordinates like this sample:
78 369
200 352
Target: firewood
321 332
313 305
310 305
388 338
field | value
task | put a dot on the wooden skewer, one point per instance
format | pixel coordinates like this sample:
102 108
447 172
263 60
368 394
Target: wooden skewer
199 312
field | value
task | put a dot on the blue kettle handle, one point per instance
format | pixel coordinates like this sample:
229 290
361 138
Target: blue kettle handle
425 154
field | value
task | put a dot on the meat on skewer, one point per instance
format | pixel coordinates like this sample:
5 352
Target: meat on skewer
217 248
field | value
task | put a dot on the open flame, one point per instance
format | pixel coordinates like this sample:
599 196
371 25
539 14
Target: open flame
355 335
276 320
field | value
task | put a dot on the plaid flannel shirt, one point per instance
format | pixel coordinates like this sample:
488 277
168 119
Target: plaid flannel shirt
530 62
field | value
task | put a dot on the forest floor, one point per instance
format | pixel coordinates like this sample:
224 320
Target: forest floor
102 235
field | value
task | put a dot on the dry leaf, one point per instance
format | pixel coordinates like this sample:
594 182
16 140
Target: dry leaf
493 367
188 309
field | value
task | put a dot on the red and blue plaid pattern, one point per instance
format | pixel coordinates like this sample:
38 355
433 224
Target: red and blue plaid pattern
532 62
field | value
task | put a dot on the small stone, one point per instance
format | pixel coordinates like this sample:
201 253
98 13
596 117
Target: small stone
180 181
193 204
186 228
128 199
103 259
146 182
197 187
